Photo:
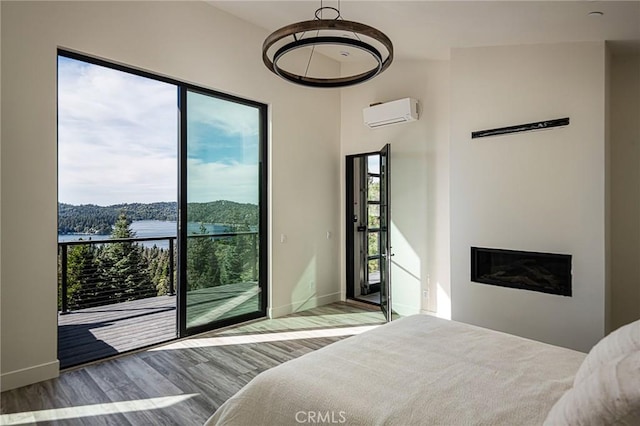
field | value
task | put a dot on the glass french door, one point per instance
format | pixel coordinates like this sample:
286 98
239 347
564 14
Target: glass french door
222 211
368 254
383 234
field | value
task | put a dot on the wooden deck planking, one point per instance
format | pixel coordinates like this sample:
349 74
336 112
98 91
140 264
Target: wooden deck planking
202 377
94 333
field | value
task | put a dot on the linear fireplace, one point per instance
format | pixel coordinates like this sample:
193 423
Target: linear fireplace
544 272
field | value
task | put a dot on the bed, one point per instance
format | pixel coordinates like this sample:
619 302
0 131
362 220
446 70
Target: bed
423 370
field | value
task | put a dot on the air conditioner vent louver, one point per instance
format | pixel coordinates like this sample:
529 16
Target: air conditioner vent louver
388 113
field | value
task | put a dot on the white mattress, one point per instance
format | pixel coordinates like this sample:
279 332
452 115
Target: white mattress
419 370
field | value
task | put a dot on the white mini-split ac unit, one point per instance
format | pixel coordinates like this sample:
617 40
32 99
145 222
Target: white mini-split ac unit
394 112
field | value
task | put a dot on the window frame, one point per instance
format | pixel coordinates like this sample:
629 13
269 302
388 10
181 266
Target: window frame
263 170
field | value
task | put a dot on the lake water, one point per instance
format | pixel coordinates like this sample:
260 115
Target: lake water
150 228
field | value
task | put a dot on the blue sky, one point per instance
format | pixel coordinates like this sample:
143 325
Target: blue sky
118 140
222 150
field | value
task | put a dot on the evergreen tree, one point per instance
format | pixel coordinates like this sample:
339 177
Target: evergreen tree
203 270
82 275
124 270
238 257
158 261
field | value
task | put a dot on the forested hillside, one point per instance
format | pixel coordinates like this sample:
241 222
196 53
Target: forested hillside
93 219
105 273
223 212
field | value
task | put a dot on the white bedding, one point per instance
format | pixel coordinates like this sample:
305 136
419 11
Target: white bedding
419 370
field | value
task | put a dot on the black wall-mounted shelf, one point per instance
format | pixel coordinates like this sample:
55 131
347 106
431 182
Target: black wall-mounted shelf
539 125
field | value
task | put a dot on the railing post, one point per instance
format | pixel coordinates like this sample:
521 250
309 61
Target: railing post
63 278
171 268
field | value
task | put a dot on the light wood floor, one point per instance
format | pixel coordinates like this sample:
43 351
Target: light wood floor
184 382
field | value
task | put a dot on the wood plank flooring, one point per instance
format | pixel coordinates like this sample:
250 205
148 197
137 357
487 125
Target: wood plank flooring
183 382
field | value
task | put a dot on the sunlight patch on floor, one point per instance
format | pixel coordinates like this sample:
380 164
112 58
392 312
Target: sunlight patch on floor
30 417
264 337
308 321
223 309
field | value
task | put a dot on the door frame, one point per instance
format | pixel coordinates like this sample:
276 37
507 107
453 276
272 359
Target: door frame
183 330
349 240
385 229
349 235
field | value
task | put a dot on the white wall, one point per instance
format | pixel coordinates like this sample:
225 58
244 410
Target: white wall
419 178
625 188
189 41
537 191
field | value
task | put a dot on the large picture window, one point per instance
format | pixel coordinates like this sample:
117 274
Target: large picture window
162 209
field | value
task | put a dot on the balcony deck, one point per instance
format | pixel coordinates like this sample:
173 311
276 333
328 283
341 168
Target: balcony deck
89 334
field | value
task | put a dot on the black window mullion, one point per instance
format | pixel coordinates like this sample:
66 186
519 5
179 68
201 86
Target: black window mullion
263 199
182 212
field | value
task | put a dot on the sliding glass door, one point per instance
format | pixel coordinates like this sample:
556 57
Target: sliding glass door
130 170
222 213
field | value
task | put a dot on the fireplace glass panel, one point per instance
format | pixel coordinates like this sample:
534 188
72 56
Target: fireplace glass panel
544 272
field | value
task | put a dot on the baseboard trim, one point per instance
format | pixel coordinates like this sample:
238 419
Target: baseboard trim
26 376
434 314
303 305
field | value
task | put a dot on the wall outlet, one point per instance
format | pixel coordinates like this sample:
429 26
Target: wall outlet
425 294
283 238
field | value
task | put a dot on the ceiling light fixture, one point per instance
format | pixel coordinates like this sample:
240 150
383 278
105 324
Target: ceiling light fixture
292 40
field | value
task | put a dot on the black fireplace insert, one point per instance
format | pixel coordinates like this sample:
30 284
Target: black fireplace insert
544 272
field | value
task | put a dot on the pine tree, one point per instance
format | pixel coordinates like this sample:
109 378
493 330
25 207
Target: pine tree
203 269
82 275
237 260
158 261
124 270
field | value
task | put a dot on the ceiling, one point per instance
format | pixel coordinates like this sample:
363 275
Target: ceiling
429 29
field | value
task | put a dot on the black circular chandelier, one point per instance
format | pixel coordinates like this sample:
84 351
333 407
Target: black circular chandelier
303 39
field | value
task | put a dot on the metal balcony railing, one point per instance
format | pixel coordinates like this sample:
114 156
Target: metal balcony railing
102 272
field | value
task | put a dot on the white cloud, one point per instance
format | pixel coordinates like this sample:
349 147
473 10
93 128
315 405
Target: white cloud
117 136
232 127
216 181
232 118
118 140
